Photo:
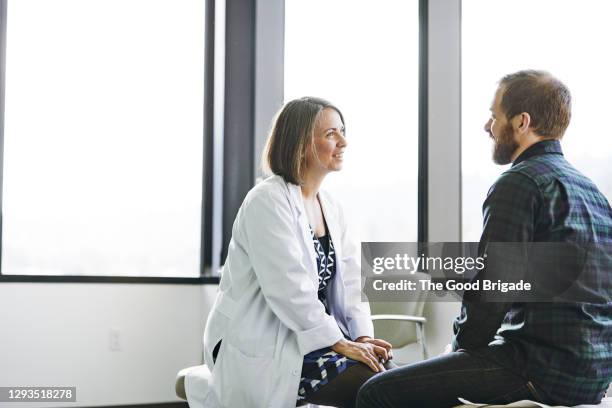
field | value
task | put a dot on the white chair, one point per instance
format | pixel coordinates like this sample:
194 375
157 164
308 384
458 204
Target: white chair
192 383
402 324
394 336
605 403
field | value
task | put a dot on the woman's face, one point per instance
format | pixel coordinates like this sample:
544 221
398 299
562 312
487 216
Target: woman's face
329 144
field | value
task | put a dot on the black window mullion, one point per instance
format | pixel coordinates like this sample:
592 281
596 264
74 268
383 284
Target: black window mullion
2 94
423 192
208 145
239 112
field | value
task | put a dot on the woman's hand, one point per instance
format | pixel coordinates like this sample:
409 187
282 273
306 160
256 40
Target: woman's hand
368 353
378 342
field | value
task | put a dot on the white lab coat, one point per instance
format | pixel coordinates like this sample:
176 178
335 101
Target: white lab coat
267 311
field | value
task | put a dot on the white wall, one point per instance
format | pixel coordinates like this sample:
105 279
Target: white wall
57 334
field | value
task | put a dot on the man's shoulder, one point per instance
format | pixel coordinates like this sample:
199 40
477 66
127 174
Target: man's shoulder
532 176
544 168
513 182
548 170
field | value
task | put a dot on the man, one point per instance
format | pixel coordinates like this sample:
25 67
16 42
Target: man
555 352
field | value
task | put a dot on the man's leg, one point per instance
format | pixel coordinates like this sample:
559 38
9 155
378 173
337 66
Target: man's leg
439 381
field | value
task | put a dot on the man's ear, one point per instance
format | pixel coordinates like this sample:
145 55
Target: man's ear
521 122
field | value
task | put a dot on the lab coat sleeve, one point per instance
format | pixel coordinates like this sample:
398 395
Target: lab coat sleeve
273 244
357 312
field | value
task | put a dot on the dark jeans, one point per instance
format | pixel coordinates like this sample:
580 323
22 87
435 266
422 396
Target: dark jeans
439 381
342 390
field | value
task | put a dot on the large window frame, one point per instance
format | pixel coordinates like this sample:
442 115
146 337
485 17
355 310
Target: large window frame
567 27
206 230
244 92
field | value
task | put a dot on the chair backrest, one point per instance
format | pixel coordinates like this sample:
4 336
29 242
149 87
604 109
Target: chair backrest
400 333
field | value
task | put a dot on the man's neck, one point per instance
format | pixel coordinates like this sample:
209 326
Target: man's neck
528 140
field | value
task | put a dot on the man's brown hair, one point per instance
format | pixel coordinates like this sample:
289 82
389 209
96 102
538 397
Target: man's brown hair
291 135
544 97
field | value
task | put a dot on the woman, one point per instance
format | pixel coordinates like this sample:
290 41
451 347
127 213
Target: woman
288 325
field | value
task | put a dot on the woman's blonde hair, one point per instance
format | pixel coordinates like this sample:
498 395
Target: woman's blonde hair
292 133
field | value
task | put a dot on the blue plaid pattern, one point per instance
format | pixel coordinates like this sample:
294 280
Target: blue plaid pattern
565 348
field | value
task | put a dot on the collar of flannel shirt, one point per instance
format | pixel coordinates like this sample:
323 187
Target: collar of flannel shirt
536 149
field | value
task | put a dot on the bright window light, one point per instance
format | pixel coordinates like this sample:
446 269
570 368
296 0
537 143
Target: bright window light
103 137
363 57
569 39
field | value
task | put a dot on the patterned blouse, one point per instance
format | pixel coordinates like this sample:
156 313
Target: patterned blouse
323 365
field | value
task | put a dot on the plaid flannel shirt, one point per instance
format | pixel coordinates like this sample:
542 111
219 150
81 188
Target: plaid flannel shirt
565 348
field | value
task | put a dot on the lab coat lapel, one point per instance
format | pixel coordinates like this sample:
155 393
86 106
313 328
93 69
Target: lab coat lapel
338 304
304 227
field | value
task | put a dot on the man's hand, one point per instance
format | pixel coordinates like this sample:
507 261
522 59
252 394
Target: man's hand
448 349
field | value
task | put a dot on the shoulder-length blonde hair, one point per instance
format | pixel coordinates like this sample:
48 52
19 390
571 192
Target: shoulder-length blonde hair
292 133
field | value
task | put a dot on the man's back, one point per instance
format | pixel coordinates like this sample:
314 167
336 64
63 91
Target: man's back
563 345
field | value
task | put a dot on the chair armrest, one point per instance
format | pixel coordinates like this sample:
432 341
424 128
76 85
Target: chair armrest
179 385
406 318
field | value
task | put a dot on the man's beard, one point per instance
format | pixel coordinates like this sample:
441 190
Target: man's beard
504 146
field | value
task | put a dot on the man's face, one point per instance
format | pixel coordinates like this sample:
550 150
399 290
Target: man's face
501 131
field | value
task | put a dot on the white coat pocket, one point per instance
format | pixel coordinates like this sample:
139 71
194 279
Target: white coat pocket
250 376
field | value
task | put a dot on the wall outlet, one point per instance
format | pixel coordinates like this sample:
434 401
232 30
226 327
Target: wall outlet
114 340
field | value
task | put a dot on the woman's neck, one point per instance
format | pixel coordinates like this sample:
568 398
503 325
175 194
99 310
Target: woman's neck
310 186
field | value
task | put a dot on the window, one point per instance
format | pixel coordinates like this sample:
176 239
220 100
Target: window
102 171
364 59
566 38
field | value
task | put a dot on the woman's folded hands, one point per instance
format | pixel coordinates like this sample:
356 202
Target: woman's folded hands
372 352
